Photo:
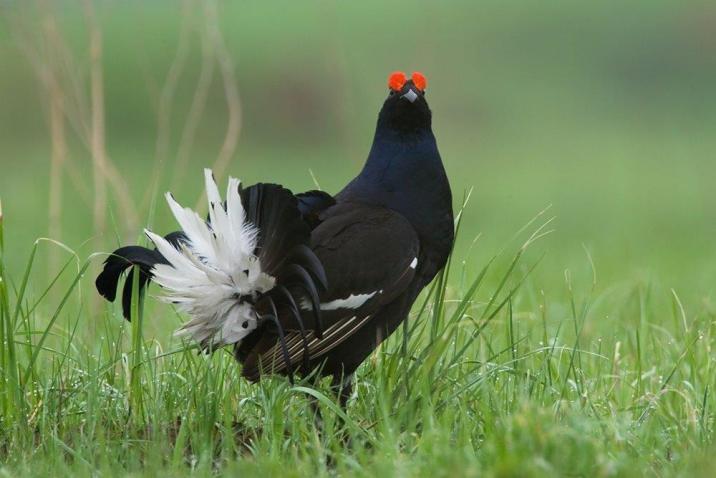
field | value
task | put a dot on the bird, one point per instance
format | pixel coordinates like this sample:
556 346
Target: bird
307 282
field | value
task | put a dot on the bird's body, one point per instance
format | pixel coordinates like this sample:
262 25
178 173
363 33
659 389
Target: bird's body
365 254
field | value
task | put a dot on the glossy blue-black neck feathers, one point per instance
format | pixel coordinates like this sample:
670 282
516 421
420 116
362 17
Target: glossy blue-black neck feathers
404 171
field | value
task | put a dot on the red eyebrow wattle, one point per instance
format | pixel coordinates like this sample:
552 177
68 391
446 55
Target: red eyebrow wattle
419 80
396 80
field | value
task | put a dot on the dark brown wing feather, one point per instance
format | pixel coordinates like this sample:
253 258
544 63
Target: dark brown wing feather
367 252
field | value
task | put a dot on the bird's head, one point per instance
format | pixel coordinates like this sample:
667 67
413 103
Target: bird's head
405 109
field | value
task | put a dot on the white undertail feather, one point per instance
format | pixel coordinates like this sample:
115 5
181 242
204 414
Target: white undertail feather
210 277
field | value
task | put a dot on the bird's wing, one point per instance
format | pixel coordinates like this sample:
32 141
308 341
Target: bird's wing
369 255
312 204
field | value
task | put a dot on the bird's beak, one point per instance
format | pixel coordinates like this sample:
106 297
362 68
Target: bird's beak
411 95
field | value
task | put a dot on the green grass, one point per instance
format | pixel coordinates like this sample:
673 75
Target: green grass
493 375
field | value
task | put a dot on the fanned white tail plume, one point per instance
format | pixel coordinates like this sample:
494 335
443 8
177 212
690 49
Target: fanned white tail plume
211 276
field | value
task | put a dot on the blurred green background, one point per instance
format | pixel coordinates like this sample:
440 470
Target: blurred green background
605 110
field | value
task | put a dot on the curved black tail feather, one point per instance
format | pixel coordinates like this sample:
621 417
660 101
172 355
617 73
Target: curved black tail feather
284 233
124 258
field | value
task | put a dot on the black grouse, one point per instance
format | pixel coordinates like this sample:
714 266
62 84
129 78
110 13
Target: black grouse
307 282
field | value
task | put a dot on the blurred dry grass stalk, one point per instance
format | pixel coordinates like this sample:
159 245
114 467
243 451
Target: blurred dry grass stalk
231 92
213 53
73 84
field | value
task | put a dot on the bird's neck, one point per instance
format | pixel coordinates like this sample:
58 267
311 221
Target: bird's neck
403 172
400 161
